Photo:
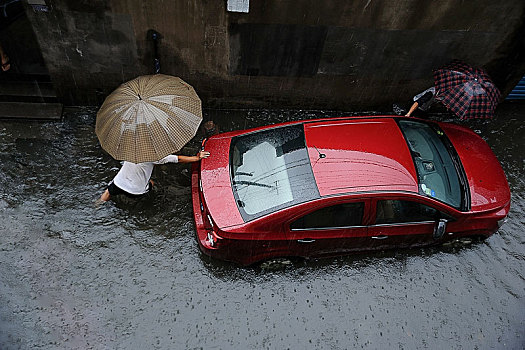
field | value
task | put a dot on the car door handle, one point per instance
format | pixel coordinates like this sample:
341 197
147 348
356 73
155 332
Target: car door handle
306 240
380 237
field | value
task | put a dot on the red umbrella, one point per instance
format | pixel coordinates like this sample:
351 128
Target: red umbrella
467 91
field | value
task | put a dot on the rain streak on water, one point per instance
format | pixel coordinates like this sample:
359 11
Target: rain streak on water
129 275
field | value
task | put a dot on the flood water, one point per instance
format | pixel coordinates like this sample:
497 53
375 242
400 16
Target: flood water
129 274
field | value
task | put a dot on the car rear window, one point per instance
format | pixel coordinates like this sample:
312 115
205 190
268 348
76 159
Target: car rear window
271 170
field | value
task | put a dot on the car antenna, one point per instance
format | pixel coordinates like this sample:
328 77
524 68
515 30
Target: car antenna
321 155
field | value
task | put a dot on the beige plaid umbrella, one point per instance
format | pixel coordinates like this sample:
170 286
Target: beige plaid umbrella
148 118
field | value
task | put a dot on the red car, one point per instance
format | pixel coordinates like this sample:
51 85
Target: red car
334 186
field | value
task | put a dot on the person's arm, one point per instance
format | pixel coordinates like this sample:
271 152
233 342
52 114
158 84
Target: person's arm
168 159
195 158
412 109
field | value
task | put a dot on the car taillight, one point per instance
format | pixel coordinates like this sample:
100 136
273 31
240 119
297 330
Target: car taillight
211 239
214 241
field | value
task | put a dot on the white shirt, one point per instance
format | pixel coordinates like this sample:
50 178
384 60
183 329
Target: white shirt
134 178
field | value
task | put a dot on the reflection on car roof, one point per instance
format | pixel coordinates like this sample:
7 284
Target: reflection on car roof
368 154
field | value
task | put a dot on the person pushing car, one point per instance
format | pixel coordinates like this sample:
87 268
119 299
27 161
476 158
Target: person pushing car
133 180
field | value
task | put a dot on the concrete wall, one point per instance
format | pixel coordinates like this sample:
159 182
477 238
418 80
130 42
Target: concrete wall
331 54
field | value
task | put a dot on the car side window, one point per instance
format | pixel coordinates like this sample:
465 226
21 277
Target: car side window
399 211
339 215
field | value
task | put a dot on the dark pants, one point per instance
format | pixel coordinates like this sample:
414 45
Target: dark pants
114 190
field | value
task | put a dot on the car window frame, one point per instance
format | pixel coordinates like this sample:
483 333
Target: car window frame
418 199
328 203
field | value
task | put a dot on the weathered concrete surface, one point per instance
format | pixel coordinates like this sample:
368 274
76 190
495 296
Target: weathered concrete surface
295 53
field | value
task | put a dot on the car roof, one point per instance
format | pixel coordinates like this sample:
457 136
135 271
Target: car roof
359 155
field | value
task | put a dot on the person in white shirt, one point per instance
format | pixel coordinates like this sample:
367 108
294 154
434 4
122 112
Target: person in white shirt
133 180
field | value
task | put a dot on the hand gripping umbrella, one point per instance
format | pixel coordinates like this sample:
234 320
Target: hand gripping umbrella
466 91
148 118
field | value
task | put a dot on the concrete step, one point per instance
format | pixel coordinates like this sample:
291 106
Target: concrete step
12 76
27 88
31 111
28 97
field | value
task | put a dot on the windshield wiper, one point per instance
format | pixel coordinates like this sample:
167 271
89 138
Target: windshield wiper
249 183
242 173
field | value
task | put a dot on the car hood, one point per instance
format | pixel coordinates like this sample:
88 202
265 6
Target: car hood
487 182
216 185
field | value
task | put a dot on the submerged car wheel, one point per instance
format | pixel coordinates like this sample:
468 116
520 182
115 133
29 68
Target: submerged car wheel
275 264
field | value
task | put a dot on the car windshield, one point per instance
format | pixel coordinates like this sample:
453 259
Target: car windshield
271 170
438 168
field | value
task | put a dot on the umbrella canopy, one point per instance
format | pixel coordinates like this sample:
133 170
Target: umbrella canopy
148 118
466 91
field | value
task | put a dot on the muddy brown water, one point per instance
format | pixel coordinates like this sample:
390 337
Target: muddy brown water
129 275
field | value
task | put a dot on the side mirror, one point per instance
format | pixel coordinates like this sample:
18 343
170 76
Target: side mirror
439 229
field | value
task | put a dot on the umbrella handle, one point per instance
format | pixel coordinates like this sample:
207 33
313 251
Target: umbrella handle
155 36
156 64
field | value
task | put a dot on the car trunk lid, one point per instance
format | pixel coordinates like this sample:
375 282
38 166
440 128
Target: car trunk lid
215 184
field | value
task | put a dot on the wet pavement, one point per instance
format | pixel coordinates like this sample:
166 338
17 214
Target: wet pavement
129 275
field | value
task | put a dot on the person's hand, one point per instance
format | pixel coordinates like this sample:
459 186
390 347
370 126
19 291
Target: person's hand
203 154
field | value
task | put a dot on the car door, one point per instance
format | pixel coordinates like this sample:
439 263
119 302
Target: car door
403 222
329 229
